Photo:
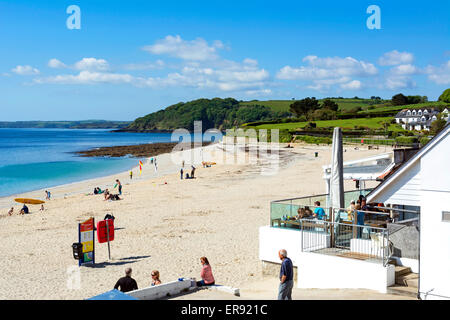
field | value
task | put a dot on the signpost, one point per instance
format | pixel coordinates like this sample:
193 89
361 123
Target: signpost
105 233
86 238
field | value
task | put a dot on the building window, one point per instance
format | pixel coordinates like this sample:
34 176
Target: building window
420 112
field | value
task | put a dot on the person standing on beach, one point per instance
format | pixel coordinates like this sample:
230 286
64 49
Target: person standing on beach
120 186
131 174
192 172
181 173
286 277
126 283
156 166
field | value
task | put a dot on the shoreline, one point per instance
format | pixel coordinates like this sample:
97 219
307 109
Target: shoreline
163 223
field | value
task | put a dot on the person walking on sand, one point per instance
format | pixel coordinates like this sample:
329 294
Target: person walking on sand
286 277
120 186
47 195
156 165
181 173
126 283
131 174
206 274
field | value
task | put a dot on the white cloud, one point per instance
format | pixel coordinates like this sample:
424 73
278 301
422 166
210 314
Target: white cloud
87 77
92 64
328 72
399 82
25 70
352 85
439 75
325 68
175 46
158 64
56 64
405 69
395 57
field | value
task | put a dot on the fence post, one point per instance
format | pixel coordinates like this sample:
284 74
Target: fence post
331 227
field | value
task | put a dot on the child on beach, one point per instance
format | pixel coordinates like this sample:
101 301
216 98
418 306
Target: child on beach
120 186
42 208
206 274
11 211
155 278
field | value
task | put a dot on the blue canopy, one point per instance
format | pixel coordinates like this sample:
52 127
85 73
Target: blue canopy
113 295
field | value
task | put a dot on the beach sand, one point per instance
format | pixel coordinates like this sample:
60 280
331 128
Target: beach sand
160 226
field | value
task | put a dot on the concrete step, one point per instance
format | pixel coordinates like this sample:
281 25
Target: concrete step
393 262
402 291
408 280
400 271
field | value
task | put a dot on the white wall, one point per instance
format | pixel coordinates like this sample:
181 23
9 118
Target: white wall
434 233
327 272
404 190
162 290
271 240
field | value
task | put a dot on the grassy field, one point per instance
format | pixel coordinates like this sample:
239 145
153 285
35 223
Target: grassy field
344 104
372 123
431 104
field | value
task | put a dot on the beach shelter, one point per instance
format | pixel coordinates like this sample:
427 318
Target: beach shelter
113 295
337 172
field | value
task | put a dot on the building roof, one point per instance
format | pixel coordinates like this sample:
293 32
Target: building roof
403 113
385 184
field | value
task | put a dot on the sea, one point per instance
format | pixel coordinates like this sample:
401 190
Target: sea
32 159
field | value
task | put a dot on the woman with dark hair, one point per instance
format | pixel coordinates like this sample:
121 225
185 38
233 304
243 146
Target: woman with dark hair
206 274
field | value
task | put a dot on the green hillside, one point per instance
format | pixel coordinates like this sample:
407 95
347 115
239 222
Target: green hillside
214 113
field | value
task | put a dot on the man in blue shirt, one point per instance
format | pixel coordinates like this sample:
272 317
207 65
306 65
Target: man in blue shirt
319 213
286 277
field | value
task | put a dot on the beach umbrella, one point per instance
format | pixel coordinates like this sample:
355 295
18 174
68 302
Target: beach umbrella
113 295
337 172
28 201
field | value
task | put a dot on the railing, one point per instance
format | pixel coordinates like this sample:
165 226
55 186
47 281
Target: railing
345 240
280 209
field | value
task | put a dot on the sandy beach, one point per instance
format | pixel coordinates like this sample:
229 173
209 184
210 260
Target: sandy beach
162 223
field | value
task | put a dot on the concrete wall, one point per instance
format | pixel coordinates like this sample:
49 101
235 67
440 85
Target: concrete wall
271 240
162 290
327 272
405 241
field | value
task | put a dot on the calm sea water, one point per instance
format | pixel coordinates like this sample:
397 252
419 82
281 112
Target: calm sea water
32 159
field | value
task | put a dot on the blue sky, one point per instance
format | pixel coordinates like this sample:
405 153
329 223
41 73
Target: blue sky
131 58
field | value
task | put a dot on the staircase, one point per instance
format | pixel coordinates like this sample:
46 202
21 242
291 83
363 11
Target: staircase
406 282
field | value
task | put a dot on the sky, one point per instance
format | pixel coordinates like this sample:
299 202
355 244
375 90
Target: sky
119 60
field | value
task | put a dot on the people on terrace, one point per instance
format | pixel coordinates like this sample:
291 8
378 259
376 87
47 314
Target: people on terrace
319 213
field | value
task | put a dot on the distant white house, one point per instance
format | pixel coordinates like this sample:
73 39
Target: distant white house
423 182
417 119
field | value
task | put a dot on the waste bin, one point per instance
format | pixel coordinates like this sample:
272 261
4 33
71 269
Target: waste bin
77 249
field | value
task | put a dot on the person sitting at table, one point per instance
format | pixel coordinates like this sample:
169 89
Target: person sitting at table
351 210
308 212
319 213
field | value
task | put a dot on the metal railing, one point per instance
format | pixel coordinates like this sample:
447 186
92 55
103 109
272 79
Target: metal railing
360 242
289 207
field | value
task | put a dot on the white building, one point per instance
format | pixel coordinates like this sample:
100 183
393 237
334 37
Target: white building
416 194
424 182
417 119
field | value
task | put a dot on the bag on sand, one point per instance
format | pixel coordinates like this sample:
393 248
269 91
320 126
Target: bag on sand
109 216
